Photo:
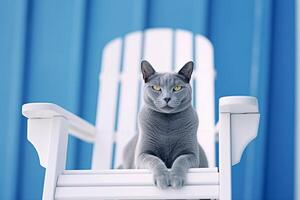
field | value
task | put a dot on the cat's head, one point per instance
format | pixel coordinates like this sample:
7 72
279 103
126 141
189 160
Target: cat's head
167 92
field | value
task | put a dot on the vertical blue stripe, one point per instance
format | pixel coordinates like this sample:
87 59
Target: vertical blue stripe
84 150
232 39
200 12
281 126
12 58
76 56
297 104
259 77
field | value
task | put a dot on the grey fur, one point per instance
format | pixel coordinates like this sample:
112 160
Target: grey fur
167 139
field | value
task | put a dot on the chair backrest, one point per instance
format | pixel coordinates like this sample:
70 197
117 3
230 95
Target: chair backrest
120 87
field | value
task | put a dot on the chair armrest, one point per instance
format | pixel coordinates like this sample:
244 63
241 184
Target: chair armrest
243 121
76 126
238 104
235 105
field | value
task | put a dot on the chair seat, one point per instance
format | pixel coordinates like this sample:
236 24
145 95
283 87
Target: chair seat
133 184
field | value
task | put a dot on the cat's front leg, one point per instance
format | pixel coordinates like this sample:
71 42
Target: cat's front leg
157 167
180 167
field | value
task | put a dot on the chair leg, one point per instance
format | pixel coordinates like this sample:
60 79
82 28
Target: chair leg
57 156
225 156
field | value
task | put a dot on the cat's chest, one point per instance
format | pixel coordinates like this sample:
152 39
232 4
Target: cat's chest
168 136
168 148
170 125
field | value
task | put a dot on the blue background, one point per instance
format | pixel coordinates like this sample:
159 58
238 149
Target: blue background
51 51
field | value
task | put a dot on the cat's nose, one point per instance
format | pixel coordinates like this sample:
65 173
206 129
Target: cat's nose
167 99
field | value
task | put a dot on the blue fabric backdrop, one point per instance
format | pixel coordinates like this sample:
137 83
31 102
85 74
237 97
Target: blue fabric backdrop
51 51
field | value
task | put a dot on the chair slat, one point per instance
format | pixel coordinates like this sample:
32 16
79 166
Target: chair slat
133 171
111 58
158 48
183 51
183 48
136 192
130 179
205 95
129 93
107 105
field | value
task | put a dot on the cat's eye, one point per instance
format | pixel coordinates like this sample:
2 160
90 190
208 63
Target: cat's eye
177 88
156 88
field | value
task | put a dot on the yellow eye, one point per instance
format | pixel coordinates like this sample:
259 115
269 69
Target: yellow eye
156 87
177 88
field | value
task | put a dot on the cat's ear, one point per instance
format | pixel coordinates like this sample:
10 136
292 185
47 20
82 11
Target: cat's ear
147 70
187 70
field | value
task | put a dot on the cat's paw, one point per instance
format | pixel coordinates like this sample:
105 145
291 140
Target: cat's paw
177 179
161 179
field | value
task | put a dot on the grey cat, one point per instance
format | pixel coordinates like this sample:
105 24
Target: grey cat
167 140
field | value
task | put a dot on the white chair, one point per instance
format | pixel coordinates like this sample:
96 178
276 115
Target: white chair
120 91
